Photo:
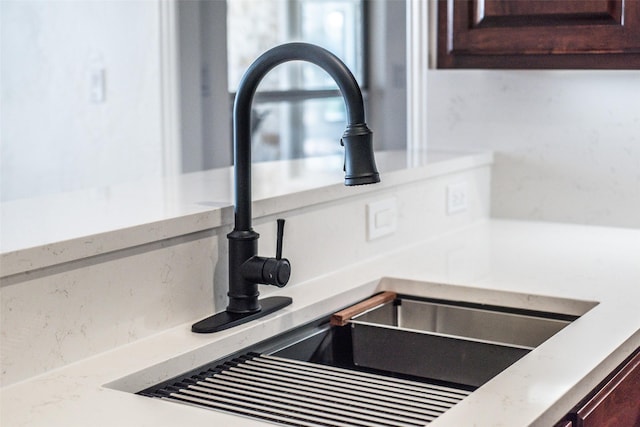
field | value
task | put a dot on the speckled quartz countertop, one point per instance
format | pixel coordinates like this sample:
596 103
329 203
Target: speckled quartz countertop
69 226
536 265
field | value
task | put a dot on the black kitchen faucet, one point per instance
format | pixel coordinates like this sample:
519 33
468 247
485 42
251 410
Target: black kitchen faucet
246 268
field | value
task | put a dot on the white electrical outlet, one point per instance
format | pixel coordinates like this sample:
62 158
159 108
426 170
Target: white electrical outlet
382 218
457 197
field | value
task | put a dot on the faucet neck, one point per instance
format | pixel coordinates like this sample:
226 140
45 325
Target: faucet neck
242 111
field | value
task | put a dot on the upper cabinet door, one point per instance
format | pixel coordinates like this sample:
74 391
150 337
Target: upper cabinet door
594 34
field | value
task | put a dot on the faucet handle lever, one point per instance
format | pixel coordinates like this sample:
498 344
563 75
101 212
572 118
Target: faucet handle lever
276 271
269 271
279 237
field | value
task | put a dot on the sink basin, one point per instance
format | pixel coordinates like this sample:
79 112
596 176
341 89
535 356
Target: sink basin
444 342
401 362
450 342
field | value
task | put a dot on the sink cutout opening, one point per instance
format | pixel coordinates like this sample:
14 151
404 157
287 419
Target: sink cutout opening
436 351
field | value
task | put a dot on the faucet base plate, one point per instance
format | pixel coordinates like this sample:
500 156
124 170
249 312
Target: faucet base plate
226 320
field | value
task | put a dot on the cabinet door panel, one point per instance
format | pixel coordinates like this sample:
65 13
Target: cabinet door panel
617 404
539 34
547 13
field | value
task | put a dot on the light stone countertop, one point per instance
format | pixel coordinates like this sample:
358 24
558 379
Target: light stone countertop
521 264
70 226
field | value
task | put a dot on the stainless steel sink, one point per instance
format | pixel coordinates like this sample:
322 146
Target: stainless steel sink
463 344
523 329
403 362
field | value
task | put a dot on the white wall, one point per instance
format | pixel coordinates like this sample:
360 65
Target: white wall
567 142
54 138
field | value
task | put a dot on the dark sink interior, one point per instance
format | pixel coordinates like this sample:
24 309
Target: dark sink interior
333 346
327 345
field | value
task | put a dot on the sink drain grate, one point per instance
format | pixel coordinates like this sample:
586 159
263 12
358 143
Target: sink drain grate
299 393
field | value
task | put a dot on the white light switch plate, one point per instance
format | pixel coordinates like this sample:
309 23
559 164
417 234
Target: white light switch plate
382 218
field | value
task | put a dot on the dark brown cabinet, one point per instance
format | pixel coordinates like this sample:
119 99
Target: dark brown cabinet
615 403
539 34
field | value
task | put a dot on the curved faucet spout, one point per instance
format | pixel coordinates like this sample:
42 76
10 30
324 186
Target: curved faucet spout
297 52
360 165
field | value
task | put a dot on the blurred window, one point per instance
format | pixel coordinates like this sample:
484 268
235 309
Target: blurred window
298 111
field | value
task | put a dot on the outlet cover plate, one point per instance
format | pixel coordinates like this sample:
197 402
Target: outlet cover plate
457 197
382 218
